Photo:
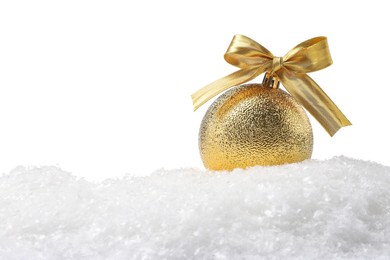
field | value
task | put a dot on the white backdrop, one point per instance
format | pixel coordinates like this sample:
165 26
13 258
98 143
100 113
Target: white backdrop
102 88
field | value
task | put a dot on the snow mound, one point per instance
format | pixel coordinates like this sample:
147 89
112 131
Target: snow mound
338 208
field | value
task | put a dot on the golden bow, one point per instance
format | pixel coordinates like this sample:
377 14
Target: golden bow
254 59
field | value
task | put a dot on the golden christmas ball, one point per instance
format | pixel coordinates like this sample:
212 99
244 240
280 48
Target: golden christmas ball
253 125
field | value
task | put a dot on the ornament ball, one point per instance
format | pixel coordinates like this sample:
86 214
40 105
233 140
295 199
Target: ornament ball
253 125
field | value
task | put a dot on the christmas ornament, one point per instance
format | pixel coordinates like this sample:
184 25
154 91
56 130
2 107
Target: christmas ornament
259 124
254 125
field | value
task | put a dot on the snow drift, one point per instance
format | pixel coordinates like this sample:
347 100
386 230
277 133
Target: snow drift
338 208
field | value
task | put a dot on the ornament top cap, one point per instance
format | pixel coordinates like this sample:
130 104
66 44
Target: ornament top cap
253 59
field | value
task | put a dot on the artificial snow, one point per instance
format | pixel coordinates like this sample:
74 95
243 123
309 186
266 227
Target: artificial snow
338 208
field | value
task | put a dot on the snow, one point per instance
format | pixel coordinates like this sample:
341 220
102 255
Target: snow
332 209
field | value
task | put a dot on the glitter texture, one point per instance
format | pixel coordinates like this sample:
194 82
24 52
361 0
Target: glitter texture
254 125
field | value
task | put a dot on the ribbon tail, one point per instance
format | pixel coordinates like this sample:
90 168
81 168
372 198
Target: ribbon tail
211 90
314 99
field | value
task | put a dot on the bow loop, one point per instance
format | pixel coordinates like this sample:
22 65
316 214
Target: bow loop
254 59
243 52
309 56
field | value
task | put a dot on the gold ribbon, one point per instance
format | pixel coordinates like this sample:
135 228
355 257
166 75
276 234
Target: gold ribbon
253 59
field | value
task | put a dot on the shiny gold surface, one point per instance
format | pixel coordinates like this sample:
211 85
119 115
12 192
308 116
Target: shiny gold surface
254 125
253 59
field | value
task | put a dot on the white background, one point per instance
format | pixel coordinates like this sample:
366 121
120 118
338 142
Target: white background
102 88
